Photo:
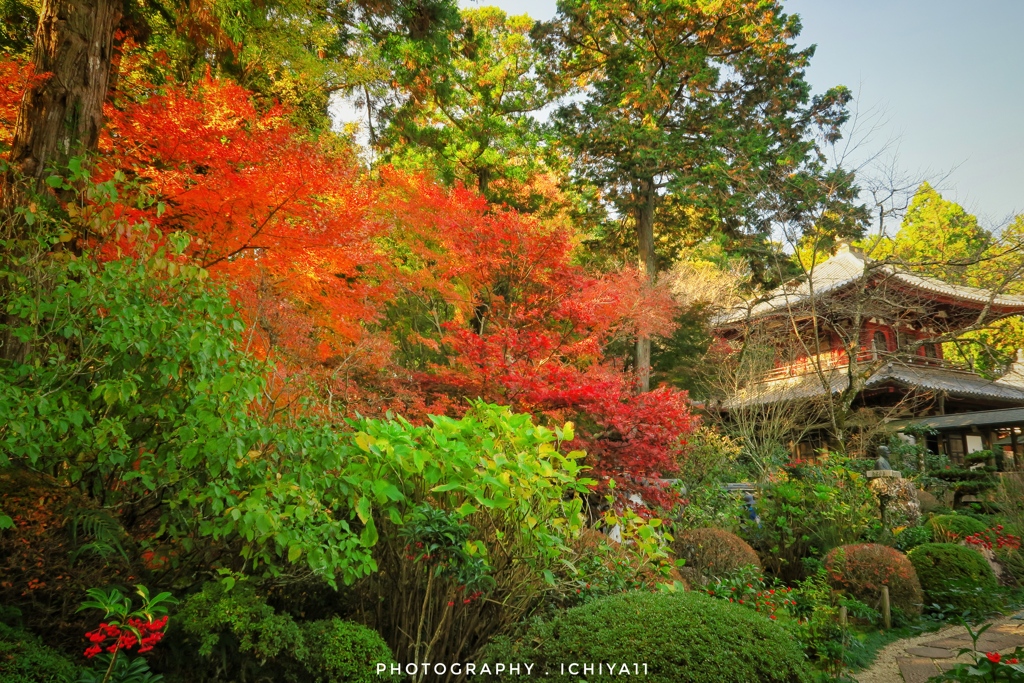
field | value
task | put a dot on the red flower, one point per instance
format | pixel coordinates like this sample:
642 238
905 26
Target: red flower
772 616
92 651
993 657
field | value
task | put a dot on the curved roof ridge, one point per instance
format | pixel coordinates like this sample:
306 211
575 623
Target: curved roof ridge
845 267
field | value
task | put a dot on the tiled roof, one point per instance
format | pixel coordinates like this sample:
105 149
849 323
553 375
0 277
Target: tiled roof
979 418
952 382
843 269
802 386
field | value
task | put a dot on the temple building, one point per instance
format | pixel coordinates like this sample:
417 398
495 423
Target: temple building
867 337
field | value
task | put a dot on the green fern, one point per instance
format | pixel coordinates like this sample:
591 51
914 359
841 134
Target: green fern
95 531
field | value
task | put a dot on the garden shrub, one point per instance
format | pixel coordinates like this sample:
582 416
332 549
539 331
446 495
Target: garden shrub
954 575
481 506
684 637
811 510
338 651
950 528
911 537
239 636
861 570
25 659
226 624
711 553
603 566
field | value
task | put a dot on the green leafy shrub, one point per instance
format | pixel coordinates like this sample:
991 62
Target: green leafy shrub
600 566
24 659
954 575
684 637
125 669
911 537
861 570
486 504
711 553
338 651
950 528
813 608
811 510
136 384
238 636
220 619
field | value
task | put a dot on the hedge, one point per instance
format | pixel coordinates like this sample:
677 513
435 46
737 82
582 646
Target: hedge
684 637
954 527
954 575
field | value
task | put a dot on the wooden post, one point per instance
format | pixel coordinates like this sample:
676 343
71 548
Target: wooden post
842 616
1013 448
886 613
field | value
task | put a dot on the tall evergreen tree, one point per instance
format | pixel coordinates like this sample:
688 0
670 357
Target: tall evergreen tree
470 117
700 101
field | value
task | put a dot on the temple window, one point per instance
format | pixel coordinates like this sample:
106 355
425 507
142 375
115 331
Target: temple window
880 342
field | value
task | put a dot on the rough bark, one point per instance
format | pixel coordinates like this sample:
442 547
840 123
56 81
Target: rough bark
62 115
645 231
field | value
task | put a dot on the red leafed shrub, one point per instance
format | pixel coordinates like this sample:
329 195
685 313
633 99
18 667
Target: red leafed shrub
861 571
491 304
713 552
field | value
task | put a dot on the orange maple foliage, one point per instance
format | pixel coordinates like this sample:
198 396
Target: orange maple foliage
384 292
15 77
280 216
515 321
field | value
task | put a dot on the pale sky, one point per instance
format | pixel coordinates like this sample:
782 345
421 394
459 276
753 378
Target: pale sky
946 79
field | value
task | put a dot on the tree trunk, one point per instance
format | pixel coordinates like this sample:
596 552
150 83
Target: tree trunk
61 115
645 231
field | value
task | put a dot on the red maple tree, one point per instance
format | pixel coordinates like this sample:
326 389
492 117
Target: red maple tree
370 292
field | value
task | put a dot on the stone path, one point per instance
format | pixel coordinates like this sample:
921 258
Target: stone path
915 660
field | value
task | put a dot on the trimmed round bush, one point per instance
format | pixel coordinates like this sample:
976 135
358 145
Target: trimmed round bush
954 527
952 574
682 637
713 552
344 651
861 570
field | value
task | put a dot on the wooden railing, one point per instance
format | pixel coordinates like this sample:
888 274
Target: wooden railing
836 360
